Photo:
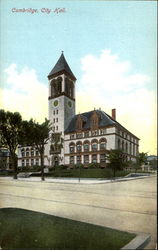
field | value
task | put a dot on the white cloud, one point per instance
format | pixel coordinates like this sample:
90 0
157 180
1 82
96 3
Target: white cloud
25 93
110 73
107 82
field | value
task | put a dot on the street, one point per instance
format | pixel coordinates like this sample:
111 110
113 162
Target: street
127 206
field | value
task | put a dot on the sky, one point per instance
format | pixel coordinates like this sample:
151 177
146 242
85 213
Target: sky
110 47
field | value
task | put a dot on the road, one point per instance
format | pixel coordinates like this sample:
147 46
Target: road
128 206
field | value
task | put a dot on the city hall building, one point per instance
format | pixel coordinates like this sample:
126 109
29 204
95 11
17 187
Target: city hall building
87 136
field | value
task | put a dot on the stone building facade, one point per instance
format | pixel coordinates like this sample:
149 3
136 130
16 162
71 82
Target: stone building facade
87 136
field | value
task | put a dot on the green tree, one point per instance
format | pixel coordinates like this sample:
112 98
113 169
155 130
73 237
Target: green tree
136 166
153 163
133 165
37 135
116 160
10 134
142 158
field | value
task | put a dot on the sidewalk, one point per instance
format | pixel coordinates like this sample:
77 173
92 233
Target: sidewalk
77 180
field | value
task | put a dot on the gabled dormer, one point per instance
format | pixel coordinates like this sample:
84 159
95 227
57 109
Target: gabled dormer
79 123
95 117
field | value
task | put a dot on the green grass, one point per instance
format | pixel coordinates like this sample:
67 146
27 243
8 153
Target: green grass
21 228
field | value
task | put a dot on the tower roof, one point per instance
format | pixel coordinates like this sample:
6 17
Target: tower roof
61 65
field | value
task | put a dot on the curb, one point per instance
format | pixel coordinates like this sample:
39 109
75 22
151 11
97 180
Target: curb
82 182
139 242
97 181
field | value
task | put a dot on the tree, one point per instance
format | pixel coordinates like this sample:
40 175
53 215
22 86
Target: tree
153 163
10 134
135 166
142 158
37 135
116 160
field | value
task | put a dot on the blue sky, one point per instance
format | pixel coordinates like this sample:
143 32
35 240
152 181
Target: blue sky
36 40
33 42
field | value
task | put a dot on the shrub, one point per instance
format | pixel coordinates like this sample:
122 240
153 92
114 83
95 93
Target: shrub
93 165
29 168
77 166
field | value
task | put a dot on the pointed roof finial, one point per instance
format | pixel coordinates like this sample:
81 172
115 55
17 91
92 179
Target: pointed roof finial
62 51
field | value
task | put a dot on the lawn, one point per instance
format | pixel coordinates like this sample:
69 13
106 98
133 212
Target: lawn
23 229
84 173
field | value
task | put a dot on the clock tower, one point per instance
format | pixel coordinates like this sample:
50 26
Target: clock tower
61 98
61 95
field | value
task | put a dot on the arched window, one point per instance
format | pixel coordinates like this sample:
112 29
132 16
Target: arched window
37 162
102 143
32 151
37 152
86 145
94 145
79 146
53 88
72 147
59 85
133 149
27 152
56 86
23 152
67 86
122 145
126 147
118 143
71 89
130 148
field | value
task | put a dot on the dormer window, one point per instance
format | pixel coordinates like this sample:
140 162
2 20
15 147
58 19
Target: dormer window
79 123
94 120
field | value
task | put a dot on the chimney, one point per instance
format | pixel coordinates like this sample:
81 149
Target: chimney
114 114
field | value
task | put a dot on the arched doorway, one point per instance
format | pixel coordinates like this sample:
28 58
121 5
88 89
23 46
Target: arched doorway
55 161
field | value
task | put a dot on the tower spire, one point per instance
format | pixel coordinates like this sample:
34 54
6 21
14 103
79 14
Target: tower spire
61 66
